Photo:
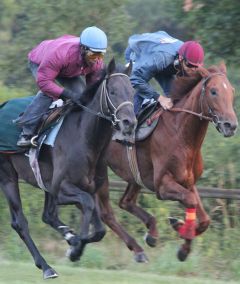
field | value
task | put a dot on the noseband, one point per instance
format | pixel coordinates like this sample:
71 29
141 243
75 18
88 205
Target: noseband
106 102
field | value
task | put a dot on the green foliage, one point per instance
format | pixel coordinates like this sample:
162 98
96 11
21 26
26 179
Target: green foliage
158 15
34 21
216 24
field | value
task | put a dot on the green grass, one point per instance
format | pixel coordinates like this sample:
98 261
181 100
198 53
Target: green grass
26 273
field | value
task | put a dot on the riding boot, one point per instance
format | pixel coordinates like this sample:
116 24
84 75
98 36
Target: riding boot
32 117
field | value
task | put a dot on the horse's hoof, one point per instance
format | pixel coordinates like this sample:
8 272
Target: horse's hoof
99 235
75 252
141 257
182 254
150 240
74 240
71 254
49 273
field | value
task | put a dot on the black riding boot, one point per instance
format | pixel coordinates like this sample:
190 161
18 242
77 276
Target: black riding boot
32 117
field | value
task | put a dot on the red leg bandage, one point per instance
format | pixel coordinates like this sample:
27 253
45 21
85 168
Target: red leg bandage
187 231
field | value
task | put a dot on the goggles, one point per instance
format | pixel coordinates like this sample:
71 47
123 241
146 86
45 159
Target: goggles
189 65
94 55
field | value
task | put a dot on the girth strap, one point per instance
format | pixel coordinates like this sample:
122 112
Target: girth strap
132 161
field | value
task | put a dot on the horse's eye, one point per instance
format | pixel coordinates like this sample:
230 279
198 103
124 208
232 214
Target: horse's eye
213 92
112 93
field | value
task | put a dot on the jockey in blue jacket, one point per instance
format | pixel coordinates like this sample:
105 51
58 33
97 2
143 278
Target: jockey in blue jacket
158 55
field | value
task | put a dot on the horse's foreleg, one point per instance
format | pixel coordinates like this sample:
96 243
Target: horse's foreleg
99 230
71 194
20 225
108 217
201 227
128 202
203 218
50 217
169 189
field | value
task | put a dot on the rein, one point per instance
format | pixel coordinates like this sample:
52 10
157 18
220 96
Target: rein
200 115
105 99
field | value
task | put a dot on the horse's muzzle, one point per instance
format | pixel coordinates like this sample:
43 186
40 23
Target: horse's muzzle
227 128
128 126
126 130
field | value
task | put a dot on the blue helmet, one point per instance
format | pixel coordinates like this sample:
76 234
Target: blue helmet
94 38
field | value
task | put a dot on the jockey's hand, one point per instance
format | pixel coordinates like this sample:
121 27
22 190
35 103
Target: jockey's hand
165 102
68 94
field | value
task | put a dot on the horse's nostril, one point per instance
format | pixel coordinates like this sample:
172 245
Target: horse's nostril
128 125
126 122
230 125
227 125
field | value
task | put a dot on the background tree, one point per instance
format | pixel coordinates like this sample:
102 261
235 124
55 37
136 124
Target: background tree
216 24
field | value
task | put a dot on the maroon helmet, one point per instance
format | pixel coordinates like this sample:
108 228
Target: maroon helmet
192 52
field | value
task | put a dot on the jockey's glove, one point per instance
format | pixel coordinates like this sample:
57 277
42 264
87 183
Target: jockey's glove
68 94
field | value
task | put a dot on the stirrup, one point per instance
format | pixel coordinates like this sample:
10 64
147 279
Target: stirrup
33 141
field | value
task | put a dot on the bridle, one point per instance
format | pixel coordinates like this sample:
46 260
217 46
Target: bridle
212 116
105 101
108 110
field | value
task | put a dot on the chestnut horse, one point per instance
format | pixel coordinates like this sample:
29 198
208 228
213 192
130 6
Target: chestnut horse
170 160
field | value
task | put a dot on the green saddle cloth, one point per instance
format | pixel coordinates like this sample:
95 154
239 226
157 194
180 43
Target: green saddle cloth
10 131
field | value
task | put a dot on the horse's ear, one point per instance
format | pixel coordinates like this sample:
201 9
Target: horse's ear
203 72
111 66
222 67
129 66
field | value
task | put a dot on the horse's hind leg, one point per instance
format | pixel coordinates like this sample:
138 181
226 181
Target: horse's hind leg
8 183
108 217
128 202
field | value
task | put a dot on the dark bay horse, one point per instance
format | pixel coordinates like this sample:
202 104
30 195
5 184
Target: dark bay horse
170 160
75 163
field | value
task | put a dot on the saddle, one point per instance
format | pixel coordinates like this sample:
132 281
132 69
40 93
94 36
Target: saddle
49 120
53 116
146 122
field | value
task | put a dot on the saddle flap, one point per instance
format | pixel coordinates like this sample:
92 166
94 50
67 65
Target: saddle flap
53 116
146 112
144 128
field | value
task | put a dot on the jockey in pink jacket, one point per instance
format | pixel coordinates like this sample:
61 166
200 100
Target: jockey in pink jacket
59 60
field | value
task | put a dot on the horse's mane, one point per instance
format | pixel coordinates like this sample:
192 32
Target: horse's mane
181 85
89 92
